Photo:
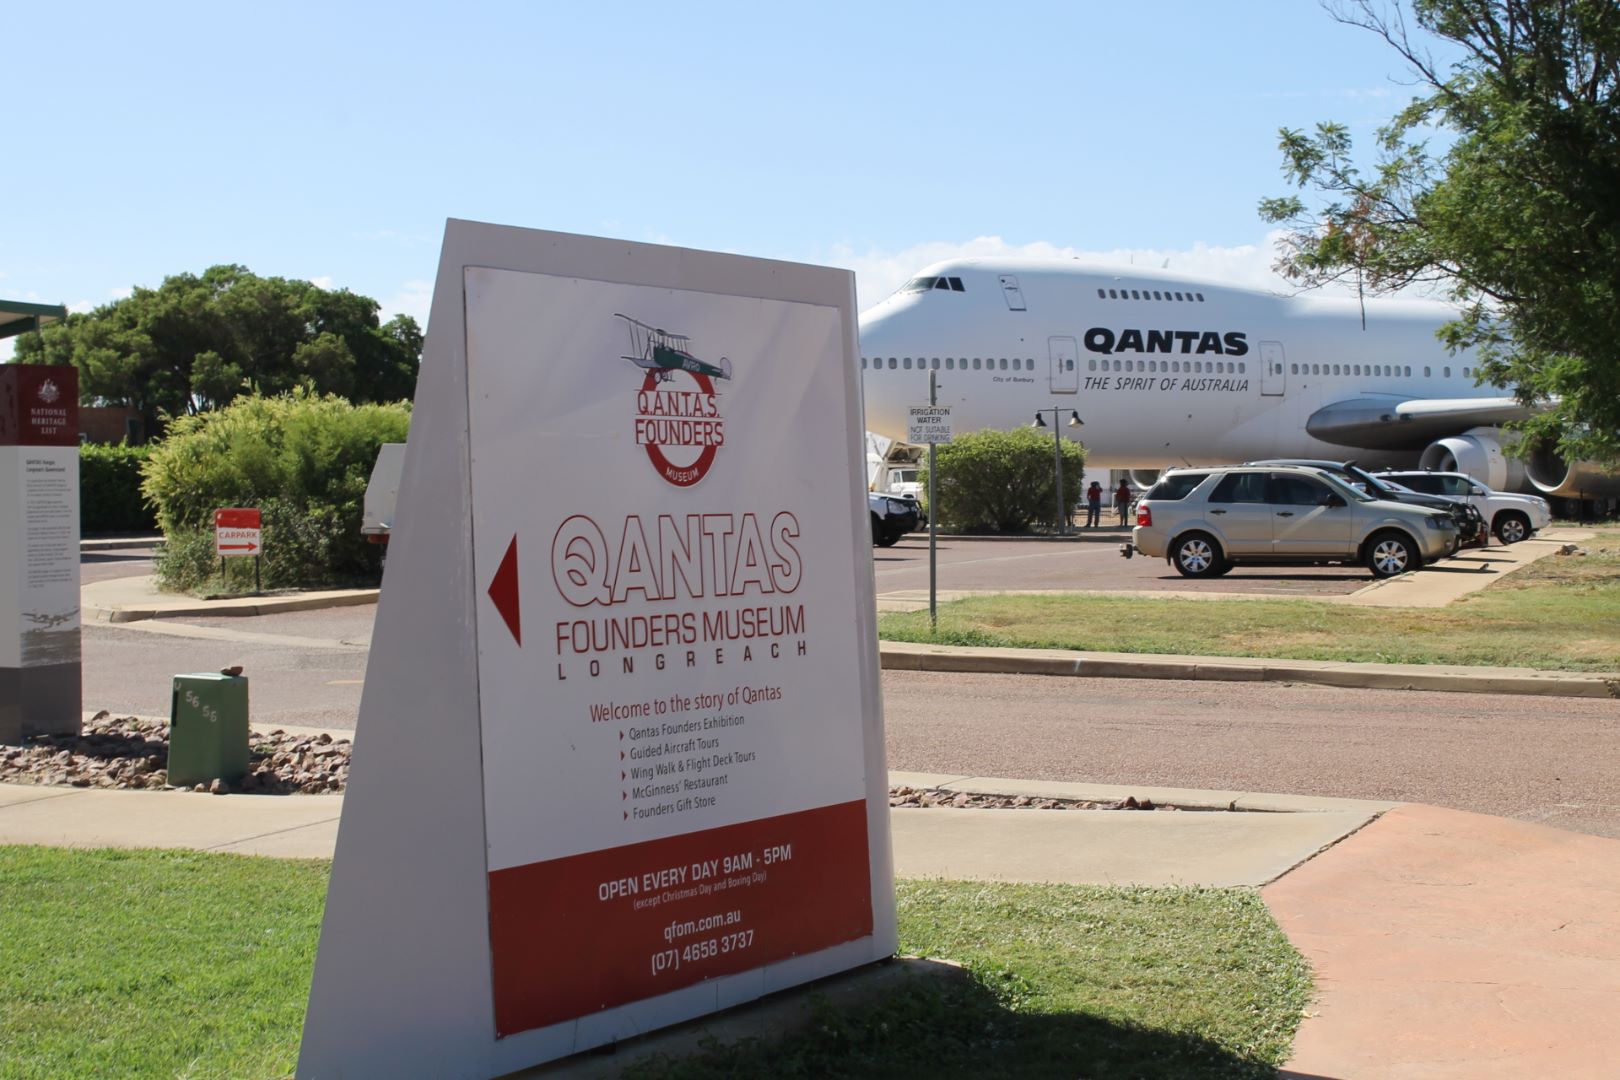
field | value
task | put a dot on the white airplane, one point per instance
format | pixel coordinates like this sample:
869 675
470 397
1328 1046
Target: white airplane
1163 369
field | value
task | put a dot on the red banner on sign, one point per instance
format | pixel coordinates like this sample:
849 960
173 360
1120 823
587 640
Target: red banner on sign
39 405
577 935
238 518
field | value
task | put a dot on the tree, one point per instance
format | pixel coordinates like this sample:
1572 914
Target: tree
1517 220
194 344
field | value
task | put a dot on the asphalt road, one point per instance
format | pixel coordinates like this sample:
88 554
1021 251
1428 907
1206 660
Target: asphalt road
1550 760
104 565
1090 562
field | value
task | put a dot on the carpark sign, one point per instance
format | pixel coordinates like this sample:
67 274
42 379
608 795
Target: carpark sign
928 424
237 531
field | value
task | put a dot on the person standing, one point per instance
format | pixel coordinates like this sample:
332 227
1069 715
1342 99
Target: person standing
1122 500
1093 504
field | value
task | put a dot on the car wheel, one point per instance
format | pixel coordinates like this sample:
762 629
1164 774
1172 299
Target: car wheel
1197 555
1511 526
882 535
1391 553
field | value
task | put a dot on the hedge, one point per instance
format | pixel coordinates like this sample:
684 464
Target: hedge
302 459
110 499
1003 481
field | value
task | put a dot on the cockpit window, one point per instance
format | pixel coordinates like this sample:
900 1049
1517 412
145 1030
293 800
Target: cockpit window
924 284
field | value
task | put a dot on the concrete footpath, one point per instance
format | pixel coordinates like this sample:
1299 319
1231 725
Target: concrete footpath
135 599
1445 944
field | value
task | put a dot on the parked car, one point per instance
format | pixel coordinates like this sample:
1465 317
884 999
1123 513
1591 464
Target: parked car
1470 524
1206 521
892 517
1510 517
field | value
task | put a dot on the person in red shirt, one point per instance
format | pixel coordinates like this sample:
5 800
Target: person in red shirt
1122 500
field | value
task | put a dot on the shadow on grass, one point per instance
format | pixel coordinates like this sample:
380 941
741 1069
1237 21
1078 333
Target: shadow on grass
961 1028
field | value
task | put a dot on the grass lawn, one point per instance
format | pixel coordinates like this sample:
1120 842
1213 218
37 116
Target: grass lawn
148 963
154 963
1560 613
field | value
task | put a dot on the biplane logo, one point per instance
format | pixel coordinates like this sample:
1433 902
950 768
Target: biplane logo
677 408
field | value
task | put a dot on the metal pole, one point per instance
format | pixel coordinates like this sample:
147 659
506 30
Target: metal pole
1057 465
933 515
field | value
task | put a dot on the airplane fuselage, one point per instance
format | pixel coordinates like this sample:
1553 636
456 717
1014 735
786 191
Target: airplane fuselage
1161 369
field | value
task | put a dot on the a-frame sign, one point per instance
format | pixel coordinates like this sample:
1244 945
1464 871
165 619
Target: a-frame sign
620 754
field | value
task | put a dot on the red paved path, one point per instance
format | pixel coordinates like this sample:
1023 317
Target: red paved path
1455 945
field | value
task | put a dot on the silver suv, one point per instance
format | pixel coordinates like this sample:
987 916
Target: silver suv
1205 521
1512 517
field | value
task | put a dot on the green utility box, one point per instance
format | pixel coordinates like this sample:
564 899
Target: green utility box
208 729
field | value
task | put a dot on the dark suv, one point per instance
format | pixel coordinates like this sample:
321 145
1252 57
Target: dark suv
1470 525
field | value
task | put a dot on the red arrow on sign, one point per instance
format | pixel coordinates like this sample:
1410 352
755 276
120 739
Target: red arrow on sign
503 591
239 547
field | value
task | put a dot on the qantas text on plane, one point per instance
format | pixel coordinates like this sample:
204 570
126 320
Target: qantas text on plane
1167 370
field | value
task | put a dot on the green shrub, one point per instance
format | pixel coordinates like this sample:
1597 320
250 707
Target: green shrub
303 460
1003 481
110 499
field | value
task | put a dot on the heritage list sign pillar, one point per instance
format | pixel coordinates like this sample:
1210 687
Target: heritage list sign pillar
40 686
623 762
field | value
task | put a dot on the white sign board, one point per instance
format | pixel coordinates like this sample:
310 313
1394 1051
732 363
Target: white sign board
928 424
664 745
40 672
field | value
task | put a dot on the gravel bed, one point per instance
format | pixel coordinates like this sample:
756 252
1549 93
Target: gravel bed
960 800
133 754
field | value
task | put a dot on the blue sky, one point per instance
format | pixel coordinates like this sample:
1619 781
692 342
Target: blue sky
331 141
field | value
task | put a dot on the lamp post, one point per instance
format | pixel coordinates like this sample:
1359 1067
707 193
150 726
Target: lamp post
1057 457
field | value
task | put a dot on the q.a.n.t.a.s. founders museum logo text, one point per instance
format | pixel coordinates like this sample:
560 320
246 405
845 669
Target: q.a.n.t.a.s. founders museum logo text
678 417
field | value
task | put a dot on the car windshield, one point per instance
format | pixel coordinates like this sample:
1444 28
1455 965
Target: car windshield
1347 490
1393 486
1361 476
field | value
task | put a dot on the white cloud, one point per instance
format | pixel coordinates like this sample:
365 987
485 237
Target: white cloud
81 306
121 294
413 298
879 273
322 282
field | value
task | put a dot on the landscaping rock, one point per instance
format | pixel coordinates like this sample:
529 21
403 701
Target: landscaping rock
133 754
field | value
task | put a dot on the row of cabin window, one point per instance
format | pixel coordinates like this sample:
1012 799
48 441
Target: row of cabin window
1174 367
953 364
1400 370
1147 294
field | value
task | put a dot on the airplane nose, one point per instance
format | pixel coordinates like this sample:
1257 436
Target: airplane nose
884 391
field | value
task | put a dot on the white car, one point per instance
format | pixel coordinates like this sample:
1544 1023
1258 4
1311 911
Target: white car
1511 517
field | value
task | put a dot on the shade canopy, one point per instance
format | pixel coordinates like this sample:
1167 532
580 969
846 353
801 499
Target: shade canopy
17 317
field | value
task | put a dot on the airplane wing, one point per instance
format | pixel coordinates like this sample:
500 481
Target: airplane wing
1393 423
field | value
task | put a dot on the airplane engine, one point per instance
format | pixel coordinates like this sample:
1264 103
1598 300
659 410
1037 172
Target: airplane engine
1479 452
1552 475
1144 478
1482 454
